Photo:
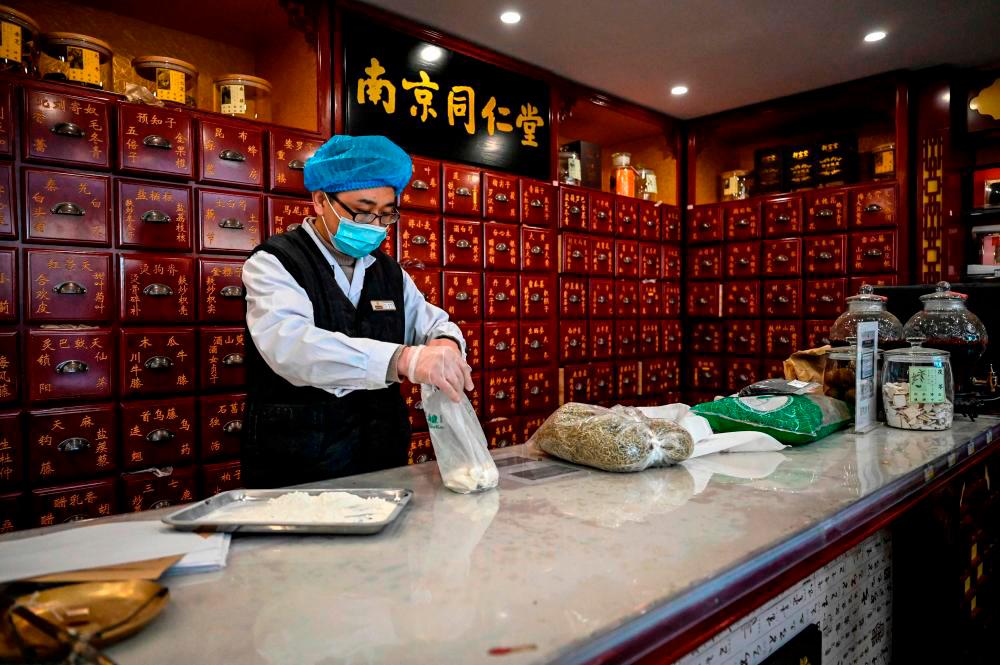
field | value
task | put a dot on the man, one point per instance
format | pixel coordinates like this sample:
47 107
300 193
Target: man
334 324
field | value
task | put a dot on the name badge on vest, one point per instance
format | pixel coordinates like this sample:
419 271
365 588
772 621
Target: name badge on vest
383 306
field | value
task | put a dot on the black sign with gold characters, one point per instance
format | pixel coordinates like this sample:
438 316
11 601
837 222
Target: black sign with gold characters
438 103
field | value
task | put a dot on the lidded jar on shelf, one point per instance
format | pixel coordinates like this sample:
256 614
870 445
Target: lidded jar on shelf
74 58
169 79
19 37
624 173
945 323
917 388
867 306
243 96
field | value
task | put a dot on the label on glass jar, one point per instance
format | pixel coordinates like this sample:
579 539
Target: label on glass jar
865 399
234 101
10 42
926 385
83 65
170 85
651 183
573 165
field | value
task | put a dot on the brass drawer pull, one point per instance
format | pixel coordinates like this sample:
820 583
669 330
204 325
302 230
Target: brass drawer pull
535 344
873 253
626 300
706 226
601 300
574 298
67 208
69 129
231 291
536 250
701 301
742 223
574 342
462 243
71 367
159 363
601 215
742 339
155 217
233 360
461 296
500 297
70 289
231 223
420 185
160 436
536 203
826 297
297 165
156 141
576 254
708 263
782 258
626 260
872 208
783 300
825 256
744 261
825 213
158 290
783 219
784 340
743 300
500 394
574 210
535 297
234 427
231 155
419 240
74 444
502 247
463 191
501 198
535 390
501 346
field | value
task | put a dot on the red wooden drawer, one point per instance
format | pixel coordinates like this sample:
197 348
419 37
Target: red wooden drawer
671 262
428 282
626 298
626 338
783 258
671 340
671 301
706 337
782 217
537 343
817 333
229 222
743 259
472 331
602 294
670 217
155 141
602 383
626 217
221 477
742 220
7 119
411 395
421 448
742 372
538 249
72 443
221 353
649 338
10 366
539 389
660 376
500 391
463 295
220 424
825 255
286 214
157 361
650 260
156 288
502 432
158 488
872 207
574 253
72 503
573 297
501 344
500 198
66 129
574 384
538 296
782 338
70 208
782 298
11 451
602 213
222 293
463 245
825 297
502 296
69 364
420 240
743 338
158 432
705 224
424 189
873 251
650 300
627 380
12 517
706 373
649 221
154 216
742 299
530 425
825 211
602 256
626 258
773 369
574 341
231 153
855 284
500 246
538 203
705 262
573 209
8 211
8 285
704 300
602 339
461 190
288 155
68 286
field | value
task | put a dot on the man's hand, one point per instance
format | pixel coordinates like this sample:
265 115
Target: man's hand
439 365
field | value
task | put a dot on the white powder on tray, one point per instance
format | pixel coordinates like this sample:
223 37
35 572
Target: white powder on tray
302 507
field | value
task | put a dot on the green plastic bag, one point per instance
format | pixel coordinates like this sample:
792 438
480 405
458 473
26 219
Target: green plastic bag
791 419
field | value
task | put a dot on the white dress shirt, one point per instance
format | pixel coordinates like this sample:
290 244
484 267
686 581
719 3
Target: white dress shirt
281 324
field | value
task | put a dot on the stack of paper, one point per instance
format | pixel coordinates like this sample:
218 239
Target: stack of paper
210 557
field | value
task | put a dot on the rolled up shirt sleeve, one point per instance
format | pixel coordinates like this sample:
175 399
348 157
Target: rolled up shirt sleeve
425 321
282 327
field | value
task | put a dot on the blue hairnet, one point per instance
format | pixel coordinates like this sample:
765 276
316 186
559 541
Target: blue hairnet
346 163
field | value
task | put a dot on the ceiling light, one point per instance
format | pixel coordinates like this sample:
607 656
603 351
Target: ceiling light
431 53
510 17
679 90
875 36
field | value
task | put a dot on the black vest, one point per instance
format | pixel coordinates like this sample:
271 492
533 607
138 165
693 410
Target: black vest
303 434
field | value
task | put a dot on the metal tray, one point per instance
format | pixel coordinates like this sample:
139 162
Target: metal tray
198 516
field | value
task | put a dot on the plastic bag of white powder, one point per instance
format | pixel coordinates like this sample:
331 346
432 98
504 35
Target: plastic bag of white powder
459 443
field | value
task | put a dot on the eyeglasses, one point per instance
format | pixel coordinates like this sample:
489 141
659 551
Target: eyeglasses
385 219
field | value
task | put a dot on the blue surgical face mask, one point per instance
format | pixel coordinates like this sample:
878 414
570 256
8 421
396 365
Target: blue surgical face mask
357 240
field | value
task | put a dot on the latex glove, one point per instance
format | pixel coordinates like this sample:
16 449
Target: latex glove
444 341
440 366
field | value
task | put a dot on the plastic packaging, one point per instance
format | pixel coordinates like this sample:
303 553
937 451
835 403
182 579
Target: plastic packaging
619 439
791 419
780 387
459 443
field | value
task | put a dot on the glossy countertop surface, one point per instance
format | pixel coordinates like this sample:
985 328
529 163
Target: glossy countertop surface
551 567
